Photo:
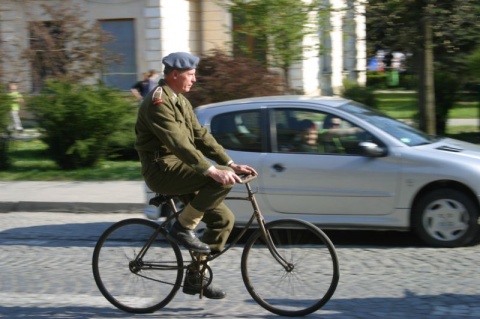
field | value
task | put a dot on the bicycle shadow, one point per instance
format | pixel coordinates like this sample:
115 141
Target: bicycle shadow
75 234
380 238
59 235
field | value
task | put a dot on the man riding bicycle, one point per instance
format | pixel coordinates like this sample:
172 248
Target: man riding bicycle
173 148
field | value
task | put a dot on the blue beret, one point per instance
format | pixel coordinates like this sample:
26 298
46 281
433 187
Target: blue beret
181 60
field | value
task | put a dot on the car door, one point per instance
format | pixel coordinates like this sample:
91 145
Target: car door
324 183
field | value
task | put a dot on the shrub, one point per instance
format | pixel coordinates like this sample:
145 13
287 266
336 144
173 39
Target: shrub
5 102
446 88
376 80
121 143
361 94
408 80
221 78
77 121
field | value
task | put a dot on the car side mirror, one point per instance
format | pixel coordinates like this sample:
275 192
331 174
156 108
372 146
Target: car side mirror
372 150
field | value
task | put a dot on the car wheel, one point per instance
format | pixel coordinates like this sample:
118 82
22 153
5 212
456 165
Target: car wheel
446 218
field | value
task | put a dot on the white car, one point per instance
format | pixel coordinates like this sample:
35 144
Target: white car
375 173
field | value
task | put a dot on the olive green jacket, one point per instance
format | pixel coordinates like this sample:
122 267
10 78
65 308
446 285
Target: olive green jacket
167 124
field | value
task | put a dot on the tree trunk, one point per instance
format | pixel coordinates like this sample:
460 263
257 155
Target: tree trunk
286 80
426 92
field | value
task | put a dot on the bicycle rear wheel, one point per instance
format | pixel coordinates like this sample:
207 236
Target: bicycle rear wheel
311 279
138 286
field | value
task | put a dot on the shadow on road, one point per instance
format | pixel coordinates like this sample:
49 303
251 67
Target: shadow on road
374 238
75 234
411 305
86 234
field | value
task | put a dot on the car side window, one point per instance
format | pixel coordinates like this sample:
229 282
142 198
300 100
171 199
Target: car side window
339 136
238 131
306 131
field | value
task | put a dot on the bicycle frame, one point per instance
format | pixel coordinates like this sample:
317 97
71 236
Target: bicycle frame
256 215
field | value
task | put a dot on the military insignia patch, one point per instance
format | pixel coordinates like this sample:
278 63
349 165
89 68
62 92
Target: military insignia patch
157 96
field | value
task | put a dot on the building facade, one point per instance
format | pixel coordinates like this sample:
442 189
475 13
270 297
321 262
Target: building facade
147 30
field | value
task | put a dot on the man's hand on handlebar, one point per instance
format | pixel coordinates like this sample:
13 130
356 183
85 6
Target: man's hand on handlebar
243 169
227 177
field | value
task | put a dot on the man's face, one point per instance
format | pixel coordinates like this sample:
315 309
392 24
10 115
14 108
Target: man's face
335 123
184 80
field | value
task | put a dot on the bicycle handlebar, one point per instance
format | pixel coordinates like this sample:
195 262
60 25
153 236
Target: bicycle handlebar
247 178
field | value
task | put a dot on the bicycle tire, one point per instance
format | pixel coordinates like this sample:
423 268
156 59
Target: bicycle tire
313 279
141 289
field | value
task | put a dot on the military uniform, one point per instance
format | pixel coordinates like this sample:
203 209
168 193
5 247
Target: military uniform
172 146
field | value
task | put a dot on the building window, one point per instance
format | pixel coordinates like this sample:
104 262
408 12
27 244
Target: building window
121 74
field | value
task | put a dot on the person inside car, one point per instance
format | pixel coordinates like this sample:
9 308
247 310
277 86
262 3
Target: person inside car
307 138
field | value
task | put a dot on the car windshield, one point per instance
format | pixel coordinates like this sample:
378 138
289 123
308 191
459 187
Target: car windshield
401 131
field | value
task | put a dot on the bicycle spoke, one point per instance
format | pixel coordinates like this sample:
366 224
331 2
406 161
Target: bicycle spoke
310 278
137 285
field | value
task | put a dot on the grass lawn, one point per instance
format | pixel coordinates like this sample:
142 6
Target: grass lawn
397 105
404 106
30 162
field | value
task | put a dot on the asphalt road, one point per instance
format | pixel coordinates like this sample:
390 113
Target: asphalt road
45 268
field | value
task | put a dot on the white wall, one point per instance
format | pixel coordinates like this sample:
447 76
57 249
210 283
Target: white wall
322 73
216 23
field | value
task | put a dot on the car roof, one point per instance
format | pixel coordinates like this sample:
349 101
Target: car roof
331 101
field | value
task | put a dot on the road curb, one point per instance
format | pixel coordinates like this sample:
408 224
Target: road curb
70 207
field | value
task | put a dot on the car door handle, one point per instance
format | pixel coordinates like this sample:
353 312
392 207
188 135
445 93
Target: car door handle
278 167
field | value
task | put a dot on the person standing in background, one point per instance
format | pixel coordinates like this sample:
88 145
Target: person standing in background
140 88
152 79
17 100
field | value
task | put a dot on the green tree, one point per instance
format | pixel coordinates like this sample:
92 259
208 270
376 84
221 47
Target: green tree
279 26
438 33
446 88
473 64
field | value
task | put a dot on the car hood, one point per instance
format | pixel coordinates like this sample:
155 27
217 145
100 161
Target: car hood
454 149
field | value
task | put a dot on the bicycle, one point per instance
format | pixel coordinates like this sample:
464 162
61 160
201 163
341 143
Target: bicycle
289 266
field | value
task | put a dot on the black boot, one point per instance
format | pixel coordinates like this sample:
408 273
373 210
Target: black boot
187 238
192 285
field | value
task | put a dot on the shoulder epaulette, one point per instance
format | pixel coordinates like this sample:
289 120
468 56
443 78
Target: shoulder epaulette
157 95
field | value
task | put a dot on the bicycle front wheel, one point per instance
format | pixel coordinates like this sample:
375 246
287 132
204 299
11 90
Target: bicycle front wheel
310 273
138 285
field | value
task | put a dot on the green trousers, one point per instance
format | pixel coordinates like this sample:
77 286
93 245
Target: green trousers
172 177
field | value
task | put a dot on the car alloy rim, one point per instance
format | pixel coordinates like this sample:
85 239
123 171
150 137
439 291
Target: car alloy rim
446 219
